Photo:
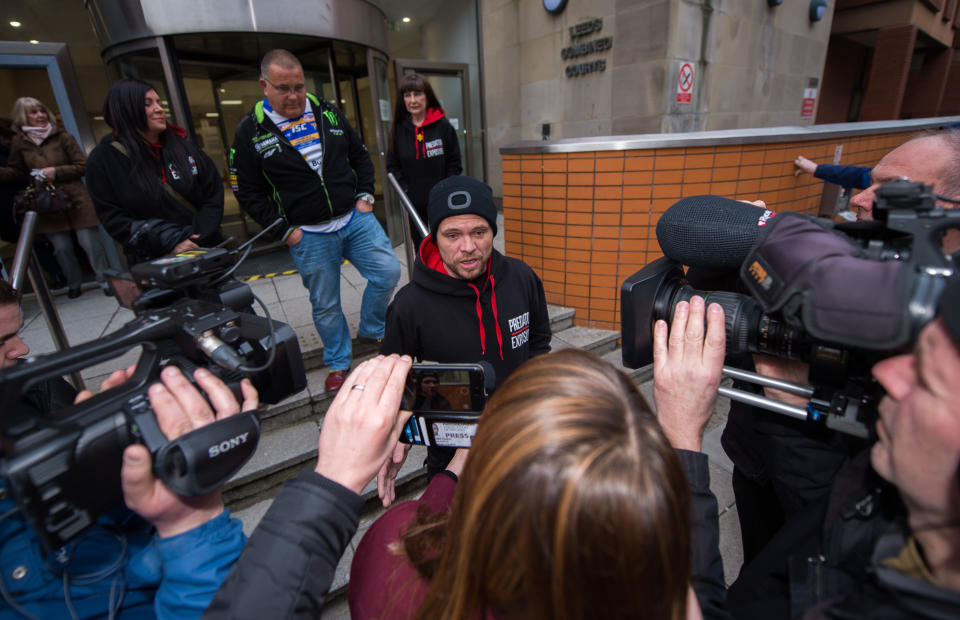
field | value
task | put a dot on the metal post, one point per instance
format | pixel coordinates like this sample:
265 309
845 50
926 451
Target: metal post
25 261
24 248
408 207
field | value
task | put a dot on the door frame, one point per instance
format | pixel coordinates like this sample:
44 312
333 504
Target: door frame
55 59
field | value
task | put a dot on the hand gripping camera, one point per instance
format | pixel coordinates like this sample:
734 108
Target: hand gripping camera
63 469
841 297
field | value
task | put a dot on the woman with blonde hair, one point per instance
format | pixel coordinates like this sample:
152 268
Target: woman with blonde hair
572 503
48 153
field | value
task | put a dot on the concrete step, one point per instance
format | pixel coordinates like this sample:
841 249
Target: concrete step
598 341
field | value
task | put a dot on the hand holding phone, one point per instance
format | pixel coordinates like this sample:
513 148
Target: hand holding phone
446 401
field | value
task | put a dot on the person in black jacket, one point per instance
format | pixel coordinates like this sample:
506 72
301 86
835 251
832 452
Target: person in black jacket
291 558
466 302
423 145
154 191
296 157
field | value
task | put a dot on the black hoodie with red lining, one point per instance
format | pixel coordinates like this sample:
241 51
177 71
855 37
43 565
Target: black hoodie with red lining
501 319
423 155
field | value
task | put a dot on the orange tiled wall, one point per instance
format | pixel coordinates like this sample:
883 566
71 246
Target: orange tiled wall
587 221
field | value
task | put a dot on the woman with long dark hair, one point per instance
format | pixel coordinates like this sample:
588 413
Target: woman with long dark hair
49 154
156 192
423 144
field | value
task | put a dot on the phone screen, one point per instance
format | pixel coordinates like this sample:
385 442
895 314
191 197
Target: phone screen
446 400
453 390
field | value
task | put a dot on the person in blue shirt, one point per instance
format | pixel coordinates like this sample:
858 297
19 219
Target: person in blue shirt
160 556
857 177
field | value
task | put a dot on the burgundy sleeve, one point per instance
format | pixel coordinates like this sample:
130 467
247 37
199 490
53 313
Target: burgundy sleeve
381 579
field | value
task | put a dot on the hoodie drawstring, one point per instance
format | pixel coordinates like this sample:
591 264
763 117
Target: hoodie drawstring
496 318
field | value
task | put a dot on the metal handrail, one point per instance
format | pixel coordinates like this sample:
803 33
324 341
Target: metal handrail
405 201
25 262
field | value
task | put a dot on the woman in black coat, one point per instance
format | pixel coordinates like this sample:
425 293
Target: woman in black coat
423 145
155 191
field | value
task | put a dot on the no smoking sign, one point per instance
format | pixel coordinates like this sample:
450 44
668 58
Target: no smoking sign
685 78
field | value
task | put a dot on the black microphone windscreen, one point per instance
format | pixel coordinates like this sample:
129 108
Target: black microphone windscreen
710 231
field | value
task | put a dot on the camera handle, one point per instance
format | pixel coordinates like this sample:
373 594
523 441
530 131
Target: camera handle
844 421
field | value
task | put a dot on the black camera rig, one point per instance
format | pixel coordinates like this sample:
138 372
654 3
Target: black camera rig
839 296
63 468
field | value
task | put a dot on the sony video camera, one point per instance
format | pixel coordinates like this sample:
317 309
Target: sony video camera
63 469
841 297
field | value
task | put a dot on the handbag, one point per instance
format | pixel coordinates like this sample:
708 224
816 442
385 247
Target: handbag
44 198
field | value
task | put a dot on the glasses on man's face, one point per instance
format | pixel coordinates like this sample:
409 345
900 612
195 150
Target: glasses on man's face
285 90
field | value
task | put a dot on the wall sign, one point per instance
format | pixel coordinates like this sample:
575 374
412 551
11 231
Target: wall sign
809 98
578 49
685 81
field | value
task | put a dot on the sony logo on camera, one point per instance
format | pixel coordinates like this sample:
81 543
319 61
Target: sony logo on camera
225 446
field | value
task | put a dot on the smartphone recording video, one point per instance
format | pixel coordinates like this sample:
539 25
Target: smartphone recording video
446 400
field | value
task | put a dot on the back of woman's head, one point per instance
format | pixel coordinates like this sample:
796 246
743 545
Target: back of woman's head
124 108
25 105
572 503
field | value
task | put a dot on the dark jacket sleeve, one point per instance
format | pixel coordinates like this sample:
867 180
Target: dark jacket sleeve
210 209
451 148
393 163
16 169
106 199
539 320
250 186
399 333
845 176
706 565
359 159
77 167
290 560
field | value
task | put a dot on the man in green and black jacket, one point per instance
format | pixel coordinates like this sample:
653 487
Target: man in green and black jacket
296 157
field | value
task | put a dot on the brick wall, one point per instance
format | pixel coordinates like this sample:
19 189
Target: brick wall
586 221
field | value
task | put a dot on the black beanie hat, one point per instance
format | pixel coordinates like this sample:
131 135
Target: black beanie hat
460 195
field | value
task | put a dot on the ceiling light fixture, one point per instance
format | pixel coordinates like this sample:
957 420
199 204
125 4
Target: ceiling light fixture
231 102
34 41
15 24
405 20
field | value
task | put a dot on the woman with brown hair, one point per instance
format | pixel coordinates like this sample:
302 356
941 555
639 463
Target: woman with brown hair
571 504
573 501
48 153
423 144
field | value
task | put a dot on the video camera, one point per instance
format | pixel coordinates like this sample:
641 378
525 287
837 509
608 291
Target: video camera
63 469
839 296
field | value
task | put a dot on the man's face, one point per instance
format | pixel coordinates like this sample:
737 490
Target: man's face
918 446
11 346
918 160
286 90
429 385
465 243
922 161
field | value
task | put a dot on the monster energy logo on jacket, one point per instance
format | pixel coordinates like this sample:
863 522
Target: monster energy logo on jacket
273 178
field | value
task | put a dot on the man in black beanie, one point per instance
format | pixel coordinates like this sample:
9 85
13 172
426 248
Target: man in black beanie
465 302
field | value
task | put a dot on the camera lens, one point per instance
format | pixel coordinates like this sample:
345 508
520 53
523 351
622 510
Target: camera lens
748 329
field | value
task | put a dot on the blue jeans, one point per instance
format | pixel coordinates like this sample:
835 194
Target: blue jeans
318 257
